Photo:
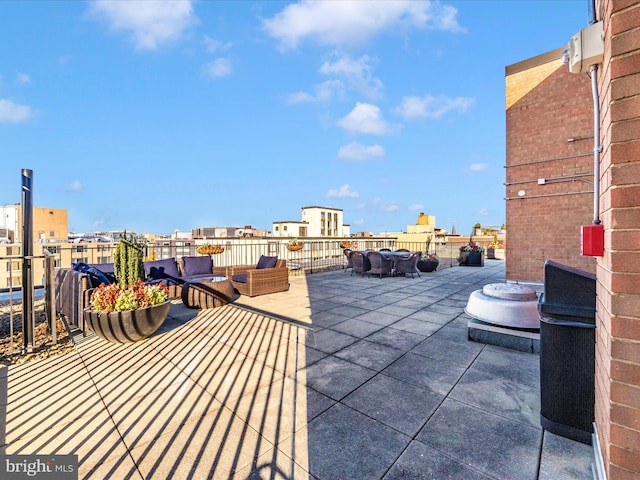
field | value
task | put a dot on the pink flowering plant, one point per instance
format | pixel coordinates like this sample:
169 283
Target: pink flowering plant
114 298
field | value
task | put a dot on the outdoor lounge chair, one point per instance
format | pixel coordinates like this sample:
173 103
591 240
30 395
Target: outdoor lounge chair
270 275
379 264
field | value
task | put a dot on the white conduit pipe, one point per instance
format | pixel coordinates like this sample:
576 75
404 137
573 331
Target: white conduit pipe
597 148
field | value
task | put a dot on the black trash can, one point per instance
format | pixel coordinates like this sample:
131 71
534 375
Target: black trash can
567 310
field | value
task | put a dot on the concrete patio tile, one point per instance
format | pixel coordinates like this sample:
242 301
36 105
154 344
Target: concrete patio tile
26 415
317 403
317 306
429 315
564 458
419 327
233 381
312 356
397 404
503 397
214 445
370 355
436 375
326 319
144 418
330 341
399 339
335 377
398 310
420 462
519 367
458 353
348 311
275 411
349 445
379 318
273 464
356 328
495 445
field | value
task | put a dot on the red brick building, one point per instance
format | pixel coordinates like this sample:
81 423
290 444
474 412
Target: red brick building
546 108
549 168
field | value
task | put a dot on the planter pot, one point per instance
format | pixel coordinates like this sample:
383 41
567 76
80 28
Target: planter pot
345 244
427 265
475 259
294 247
129 325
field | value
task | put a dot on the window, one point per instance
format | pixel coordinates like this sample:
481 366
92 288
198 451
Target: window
80 248
284 228
52 233
52 248
277 228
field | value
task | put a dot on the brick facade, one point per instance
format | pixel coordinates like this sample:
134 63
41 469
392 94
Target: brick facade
549 121
618 271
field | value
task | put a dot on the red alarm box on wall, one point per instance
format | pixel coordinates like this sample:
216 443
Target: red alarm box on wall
593 240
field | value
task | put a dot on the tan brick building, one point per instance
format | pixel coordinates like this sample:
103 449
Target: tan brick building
546 107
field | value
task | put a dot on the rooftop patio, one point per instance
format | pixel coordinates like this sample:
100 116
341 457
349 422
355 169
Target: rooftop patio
341 377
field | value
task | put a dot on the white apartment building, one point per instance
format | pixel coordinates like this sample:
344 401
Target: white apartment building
316 222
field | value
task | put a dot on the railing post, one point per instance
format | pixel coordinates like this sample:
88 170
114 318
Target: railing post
49 290
28 324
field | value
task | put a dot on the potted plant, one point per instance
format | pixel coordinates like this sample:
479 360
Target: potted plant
471 255
294 244
428 262
209 249
127 314
345 244
495 251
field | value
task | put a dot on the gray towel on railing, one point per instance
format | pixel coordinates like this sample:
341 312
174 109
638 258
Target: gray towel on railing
72 294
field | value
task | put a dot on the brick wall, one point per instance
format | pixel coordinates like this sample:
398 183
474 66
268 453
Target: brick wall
547 106
618 272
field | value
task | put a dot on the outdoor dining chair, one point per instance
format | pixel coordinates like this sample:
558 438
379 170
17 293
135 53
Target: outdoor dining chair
361 263
409 265
379 264
347 253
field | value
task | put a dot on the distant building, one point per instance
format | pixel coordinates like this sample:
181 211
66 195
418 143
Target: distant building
316 222
49 224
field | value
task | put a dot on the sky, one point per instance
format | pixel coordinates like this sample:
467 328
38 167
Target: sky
157 116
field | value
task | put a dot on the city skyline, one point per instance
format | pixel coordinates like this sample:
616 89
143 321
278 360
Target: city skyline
156 117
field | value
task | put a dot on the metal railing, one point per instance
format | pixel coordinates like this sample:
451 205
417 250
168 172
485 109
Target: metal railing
316 255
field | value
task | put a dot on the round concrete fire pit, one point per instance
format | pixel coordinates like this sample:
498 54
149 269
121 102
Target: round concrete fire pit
505 304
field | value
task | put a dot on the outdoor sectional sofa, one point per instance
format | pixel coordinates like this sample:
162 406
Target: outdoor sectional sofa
73 287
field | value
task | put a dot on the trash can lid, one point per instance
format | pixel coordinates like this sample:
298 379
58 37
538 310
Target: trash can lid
510 291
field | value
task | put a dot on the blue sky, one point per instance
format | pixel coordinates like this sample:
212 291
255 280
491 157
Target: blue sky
155 116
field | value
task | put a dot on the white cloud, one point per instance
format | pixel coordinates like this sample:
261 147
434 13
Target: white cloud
13 112
220 67
359 221
22 78
151 23
430 106
359 152
389 206
416 207
367 119
214 46
484 212
343 192
355 22
63 60
324 92
357 74
478 167
74 186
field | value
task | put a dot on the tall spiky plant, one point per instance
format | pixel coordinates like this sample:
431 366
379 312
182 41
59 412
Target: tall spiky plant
128 261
